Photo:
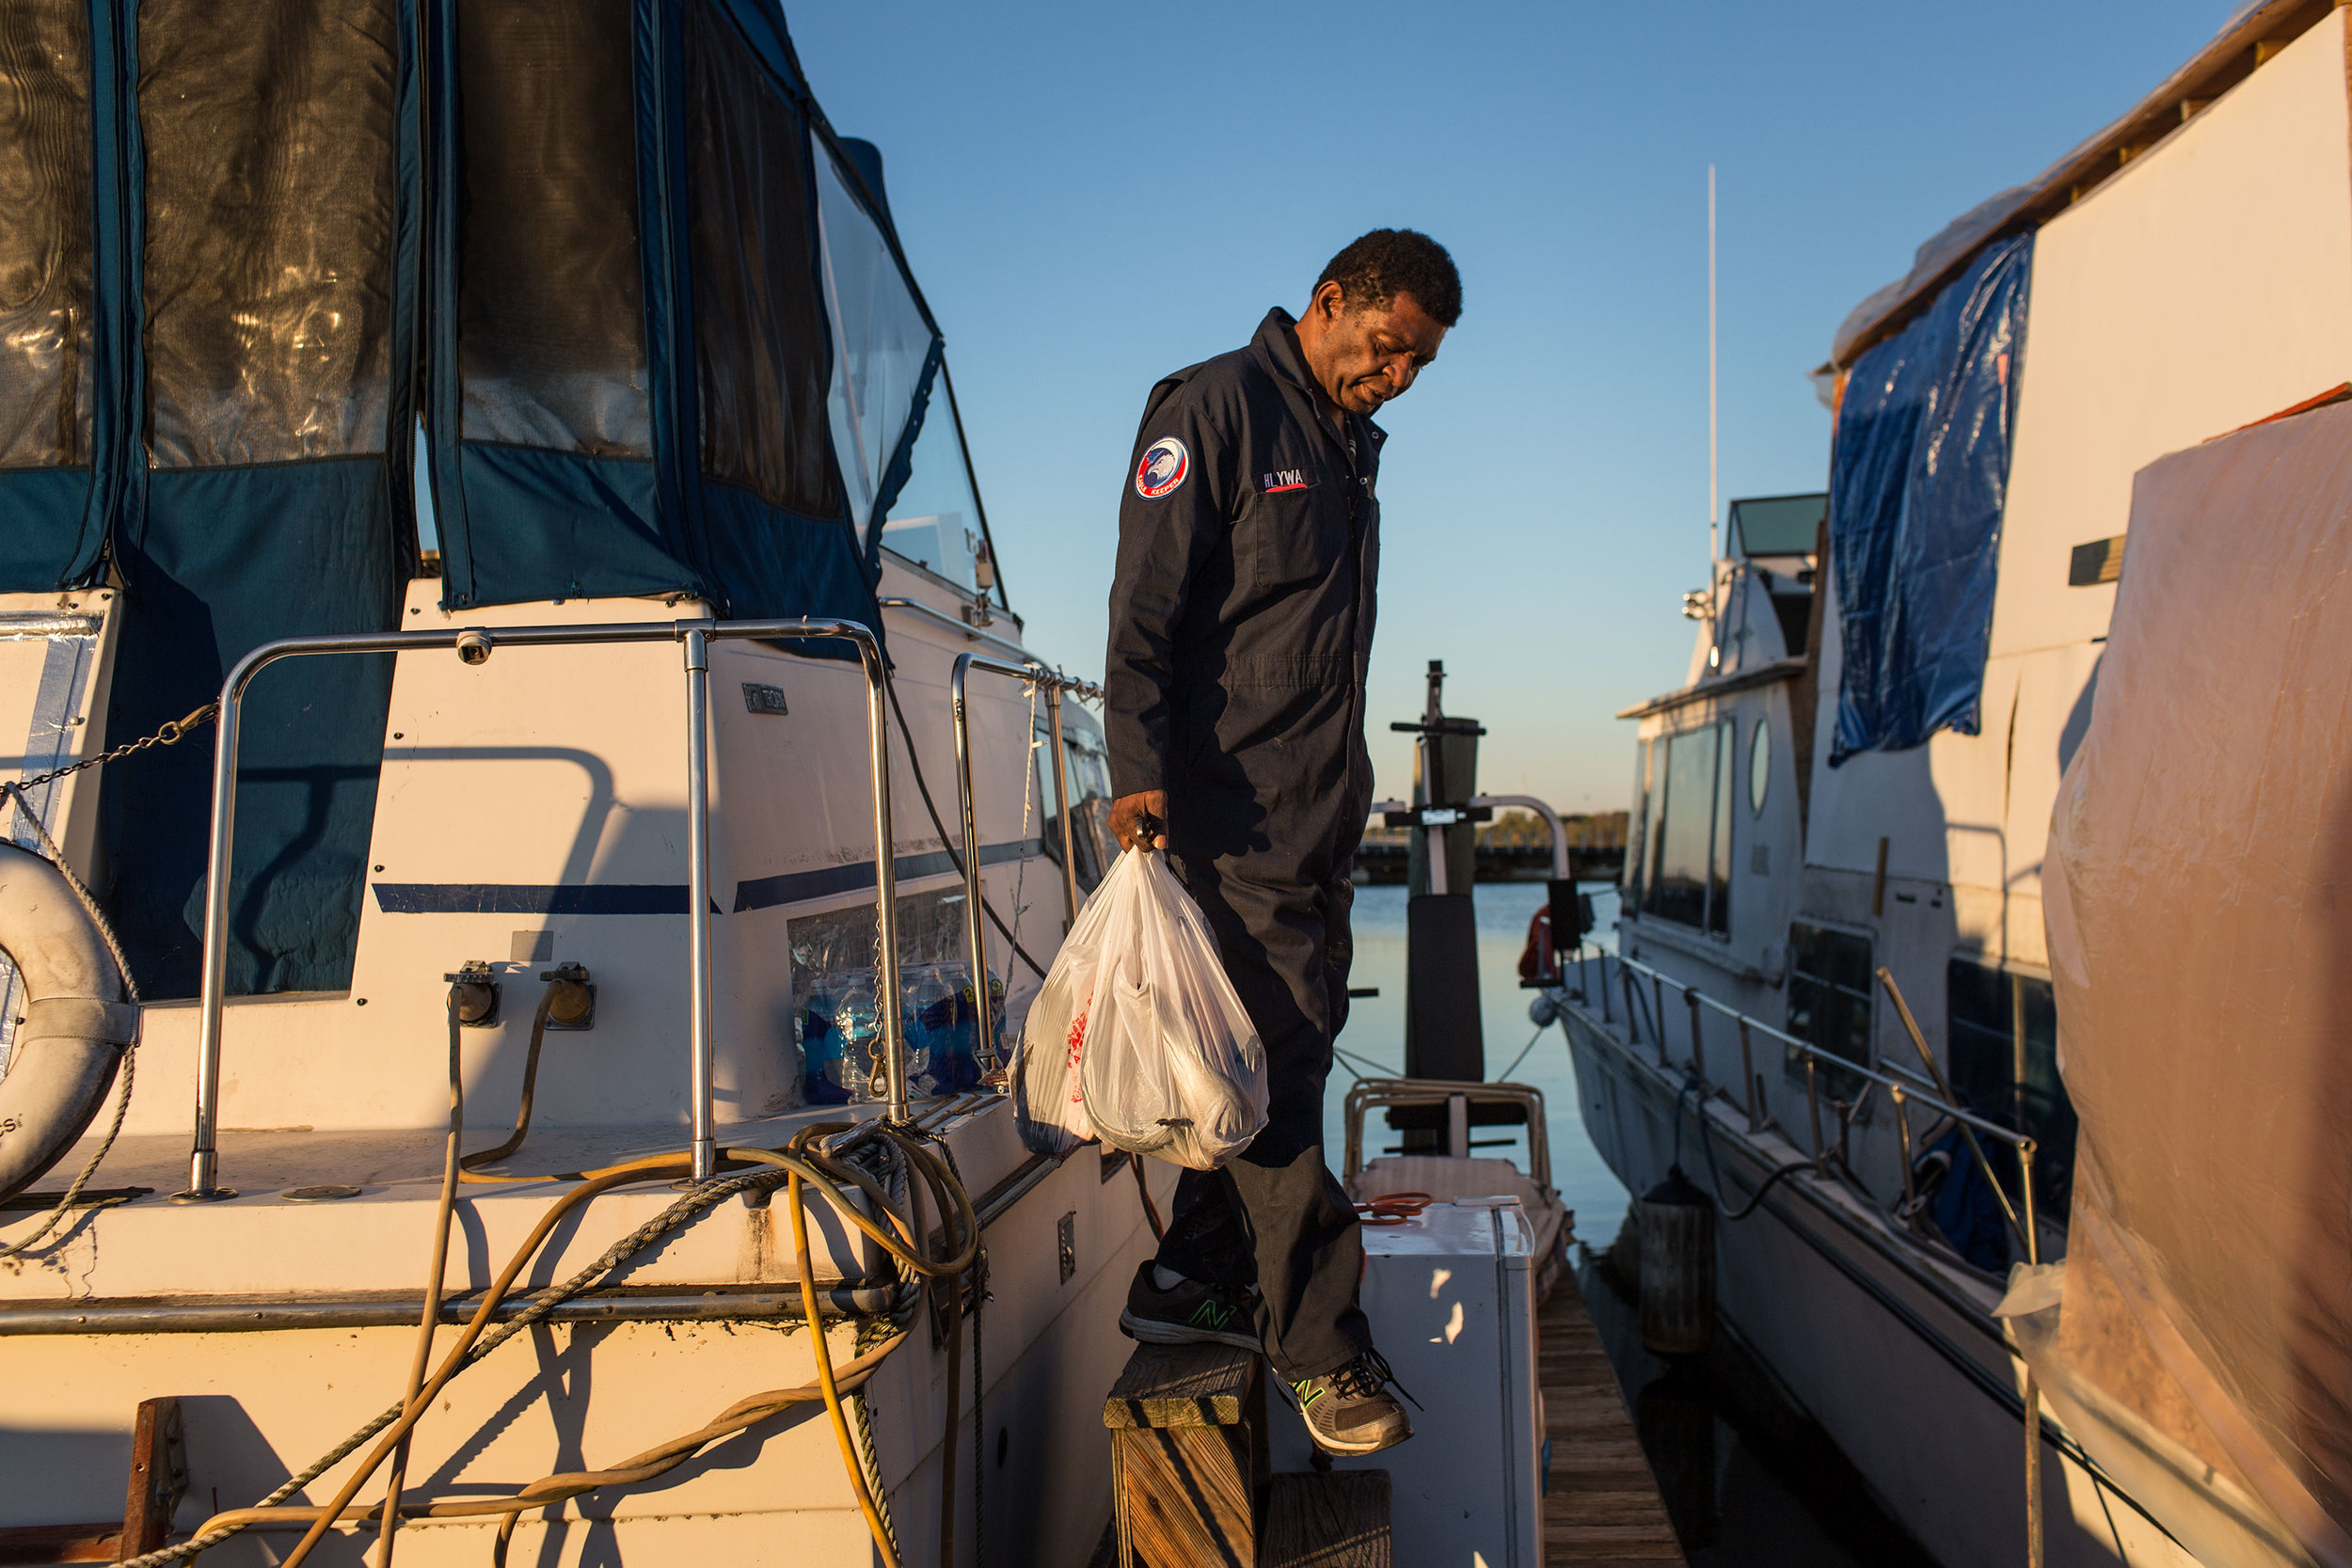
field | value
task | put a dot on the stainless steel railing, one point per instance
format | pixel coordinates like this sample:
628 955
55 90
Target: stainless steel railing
970 632
975 913
1902 1087
474 645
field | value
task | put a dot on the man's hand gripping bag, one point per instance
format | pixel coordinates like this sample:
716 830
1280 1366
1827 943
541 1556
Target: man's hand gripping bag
1172 1065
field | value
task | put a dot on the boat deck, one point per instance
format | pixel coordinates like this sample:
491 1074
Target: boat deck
1602 1507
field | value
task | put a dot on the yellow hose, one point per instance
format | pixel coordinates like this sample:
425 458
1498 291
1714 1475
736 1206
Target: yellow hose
614 1176
824 1378
567 1485
801 1167
469 1170
434 1274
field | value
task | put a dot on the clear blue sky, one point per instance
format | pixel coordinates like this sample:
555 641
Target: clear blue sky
1093 196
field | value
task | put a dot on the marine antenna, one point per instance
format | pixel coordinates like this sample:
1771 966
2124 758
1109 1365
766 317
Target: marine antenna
1714 550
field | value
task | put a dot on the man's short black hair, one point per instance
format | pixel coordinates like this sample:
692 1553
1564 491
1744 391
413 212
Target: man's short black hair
1390 261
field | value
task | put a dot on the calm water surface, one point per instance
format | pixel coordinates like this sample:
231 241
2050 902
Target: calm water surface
1749 1481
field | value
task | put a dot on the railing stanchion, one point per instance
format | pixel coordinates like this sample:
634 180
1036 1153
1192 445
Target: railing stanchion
1747 1071
1657 1019
1813 1106
1698 1045
204 1159
1061 795
1632 1025
975 914
2033 1396
1903 1137
698 1027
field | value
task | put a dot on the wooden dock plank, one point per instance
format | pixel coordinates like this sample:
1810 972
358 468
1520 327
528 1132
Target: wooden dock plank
1602 1509
1338 1519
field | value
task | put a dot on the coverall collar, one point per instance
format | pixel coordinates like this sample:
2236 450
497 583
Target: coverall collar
1277 343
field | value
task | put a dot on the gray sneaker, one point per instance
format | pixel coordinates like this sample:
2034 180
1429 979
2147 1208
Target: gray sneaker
1350 1411
1188 1313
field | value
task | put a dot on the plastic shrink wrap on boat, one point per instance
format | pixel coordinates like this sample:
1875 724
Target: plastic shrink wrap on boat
2198 1338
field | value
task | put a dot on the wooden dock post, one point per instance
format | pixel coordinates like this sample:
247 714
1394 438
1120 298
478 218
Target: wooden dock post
1188 1474
1188 1456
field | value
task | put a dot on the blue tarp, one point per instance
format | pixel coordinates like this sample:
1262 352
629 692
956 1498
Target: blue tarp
1918 478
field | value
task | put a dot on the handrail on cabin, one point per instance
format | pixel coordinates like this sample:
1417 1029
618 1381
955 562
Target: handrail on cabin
474 645
1900 1090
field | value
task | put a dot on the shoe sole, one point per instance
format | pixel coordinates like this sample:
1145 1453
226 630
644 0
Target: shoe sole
1342 1449
1154 1331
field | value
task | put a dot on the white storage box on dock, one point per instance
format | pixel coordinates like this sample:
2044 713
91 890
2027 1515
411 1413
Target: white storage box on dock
1452 1301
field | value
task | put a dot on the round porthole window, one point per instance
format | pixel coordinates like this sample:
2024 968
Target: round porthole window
1759 765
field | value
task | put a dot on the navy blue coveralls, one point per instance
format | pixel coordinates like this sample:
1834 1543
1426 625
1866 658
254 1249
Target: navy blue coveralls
1241 620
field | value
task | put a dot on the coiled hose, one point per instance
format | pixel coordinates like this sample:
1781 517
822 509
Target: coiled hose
799 1165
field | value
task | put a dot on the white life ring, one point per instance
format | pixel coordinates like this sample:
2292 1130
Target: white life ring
77 1019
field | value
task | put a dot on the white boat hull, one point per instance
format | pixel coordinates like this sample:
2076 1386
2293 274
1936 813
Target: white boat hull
1894 1355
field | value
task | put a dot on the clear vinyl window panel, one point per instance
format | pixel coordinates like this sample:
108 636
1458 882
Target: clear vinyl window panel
44 233
762 364
269 133
550 293
2001 1047
936 519
1831 1003
880 339
1088 767
1687 857
1637 825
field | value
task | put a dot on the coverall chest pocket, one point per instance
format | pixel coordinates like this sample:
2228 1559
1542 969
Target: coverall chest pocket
1296 537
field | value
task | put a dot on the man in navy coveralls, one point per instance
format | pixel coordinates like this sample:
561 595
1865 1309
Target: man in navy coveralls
1240 623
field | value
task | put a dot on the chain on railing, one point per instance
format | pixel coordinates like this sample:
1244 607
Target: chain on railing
171 734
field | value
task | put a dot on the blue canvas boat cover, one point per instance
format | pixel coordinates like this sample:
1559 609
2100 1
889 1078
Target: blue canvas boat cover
1918 477
606 260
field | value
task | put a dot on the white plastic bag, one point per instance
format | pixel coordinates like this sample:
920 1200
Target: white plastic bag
1047 1107
1169 1064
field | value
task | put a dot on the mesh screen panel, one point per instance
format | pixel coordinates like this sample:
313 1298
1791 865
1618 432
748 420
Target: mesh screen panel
551 317
44 233
270 215
759 334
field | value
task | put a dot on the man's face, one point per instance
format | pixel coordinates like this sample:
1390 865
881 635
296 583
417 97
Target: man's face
1364 355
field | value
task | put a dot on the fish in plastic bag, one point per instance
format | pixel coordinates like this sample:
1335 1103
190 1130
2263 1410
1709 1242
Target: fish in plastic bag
1170 1065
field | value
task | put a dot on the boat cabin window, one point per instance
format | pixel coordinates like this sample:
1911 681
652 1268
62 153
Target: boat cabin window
272 180
2001 1044
46 239
880 339
551 290
1637 827
760 333
1759 765
1830 1003
1688 824
936 519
